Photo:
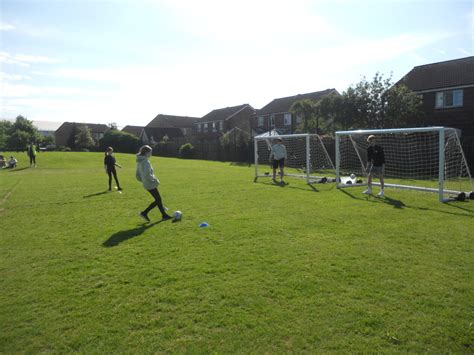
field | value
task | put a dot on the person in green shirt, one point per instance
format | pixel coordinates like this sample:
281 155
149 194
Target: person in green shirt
32 154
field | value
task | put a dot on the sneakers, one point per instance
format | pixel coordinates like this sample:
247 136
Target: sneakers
144 216
381 193
166 217
119 189
367 192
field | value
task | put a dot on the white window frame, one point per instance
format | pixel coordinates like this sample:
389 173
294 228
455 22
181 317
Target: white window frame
299 119
260 121
287 119
214 127
221 126
441 98
205 127
272 120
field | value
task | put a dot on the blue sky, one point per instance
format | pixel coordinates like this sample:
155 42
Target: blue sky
126 61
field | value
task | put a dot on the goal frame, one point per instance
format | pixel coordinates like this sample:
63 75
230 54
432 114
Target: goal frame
307 176
441 161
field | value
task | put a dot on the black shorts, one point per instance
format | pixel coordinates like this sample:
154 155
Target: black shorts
279 163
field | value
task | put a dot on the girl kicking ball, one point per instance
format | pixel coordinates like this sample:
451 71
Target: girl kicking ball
109 165
146 176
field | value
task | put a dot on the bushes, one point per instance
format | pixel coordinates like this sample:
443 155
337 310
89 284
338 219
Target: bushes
186 151
122 142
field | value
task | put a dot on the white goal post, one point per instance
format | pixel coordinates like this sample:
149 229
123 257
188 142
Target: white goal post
425 159
307 157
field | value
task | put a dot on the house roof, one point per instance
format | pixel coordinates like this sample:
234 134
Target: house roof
223 114
159 132
135 130
283 104
172 121
94 127
450 73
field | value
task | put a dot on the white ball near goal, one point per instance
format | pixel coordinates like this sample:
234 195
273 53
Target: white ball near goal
178 215
353 176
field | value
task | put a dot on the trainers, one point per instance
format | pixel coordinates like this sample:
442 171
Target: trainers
166 217
119 189
381 193
367 192
144 216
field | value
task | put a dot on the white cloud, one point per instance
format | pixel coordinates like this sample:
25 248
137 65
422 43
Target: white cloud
26 60
6 26
14 77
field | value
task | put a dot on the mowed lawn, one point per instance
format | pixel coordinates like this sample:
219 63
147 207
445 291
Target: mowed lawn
279 269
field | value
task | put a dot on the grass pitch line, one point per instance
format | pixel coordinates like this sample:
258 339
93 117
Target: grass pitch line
7 196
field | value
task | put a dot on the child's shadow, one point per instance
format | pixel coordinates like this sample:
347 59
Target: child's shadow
119 237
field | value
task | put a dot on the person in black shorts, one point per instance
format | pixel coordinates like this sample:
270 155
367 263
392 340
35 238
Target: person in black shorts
278 155
109 165
375 164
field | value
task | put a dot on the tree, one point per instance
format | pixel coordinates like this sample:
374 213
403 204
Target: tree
122 142
83 138
306 109
112 126
20 133
4 133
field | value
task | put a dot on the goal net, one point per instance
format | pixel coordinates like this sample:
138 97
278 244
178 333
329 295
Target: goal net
307 157
426 159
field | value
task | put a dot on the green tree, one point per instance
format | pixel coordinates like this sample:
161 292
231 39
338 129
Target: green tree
122 142
83 138
20 133
4 133
307 111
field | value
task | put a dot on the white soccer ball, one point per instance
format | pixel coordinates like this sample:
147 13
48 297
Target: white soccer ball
177 215
353 176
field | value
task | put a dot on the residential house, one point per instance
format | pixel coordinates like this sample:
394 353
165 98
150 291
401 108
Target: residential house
447 90
184 123
220 121
134 130
64 132
276 115
154 135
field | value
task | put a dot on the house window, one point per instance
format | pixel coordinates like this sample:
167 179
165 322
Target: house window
452 98
214 129
272 120
260 121
221 126
299 119
287 119
205 127
199 128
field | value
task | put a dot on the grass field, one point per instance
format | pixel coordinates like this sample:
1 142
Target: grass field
280 269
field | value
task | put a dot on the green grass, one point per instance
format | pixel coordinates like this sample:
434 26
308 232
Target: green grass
280 269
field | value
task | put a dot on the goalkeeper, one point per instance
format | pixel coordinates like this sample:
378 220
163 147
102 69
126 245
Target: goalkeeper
279 156
375 164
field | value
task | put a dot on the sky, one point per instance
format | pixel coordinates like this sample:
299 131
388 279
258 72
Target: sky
125 61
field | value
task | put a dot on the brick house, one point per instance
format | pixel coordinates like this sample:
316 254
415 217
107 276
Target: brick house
63 133
447 89
276 115
220 121
153 135
184 123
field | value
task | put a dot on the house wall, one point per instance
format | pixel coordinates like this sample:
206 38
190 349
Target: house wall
241 120
62 135
279 122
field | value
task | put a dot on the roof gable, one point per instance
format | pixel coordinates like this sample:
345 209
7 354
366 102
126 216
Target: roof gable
451 73
284 104
222 114
94 127
172 121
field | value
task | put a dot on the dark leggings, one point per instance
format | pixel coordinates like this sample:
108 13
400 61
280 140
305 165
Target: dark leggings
32 159
114 172
156 195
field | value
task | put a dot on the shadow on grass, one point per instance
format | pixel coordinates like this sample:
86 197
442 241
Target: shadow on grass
399 204
312 187
236 163
18 169
119 237
96 194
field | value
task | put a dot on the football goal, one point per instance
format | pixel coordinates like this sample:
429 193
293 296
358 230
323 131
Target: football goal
307 157
425 159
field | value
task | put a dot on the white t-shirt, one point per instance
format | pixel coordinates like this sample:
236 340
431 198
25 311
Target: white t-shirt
279 151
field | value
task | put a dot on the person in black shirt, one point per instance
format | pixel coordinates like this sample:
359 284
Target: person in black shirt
375 165
109 165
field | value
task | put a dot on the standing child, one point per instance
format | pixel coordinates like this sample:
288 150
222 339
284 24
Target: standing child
32 154
279 156
109 165
146 176
375 164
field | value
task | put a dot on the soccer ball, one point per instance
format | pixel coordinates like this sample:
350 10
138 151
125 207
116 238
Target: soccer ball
177 215
353 176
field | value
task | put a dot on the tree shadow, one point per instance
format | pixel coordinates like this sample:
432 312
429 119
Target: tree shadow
401 205
96 194
119 237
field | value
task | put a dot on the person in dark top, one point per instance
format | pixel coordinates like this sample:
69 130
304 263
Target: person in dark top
109 165
375 165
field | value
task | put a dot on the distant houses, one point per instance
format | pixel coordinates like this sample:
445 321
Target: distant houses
64 132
